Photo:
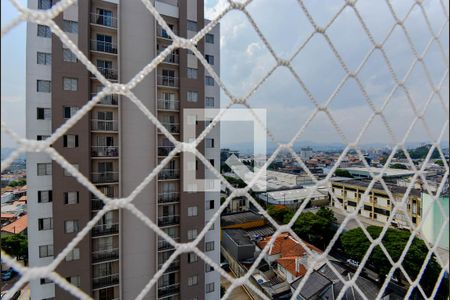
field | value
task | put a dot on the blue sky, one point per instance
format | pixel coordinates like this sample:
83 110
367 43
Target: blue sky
245 59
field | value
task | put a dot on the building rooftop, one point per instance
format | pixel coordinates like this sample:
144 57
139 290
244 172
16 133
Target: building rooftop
286 246
239 236
395 189
315 284
298 194
240 217
18 226
388 172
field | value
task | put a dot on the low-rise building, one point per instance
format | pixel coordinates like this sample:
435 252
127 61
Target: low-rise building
19 226
295 197
377 205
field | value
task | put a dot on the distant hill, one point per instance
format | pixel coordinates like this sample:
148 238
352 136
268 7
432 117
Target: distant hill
5 152
419 153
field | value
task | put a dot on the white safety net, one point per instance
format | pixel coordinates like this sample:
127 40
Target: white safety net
45 17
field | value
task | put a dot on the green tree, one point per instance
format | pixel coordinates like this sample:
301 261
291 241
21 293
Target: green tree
280 213
355 245
398 166
16 245
235 182
342 173
19 182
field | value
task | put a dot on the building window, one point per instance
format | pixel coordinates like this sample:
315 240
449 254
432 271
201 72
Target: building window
69 111
70 141
209 143
44 31
192 96
192 211
192 73
70 26
44 4
192 234
191 26
209 102
211 204
209 38
71 197
44 58
209 246
44 86
70 84
209 81
67 173
212 226
45 281
209 59
43 113
44 196
208 268
210 287
42 137
74 280
45 224
68 56
211 161
193 280
192 257
71 226
45 251
44 169
73 255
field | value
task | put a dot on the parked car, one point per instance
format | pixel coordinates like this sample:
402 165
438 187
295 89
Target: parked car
8 274
353 263
14 297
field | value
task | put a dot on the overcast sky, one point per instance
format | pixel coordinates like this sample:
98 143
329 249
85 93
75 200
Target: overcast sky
245 60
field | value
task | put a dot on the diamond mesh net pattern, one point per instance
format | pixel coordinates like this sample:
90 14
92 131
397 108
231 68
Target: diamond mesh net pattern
25 145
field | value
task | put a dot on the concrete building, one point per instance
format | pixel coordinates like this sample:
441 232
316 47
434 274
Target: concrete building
306 153
116 147
389 173
377 205
295 197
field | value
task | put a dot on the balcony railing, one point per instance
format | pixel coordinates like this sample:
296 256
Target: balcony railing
172 58
97 204
104 20
104 281
105 177
169 174
104 255
105 229
105 151
104 125
168 197
163 33
174 266
168 81
165 150
172 127
164 245
102 46
168 290
108 99
109 73
168 220
164 104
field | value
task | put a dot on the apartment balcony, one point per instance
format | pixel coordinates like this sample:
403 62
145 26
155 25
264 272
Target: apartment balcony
162 33
105 229
168 290
102 20
168 174
168 105
104 151
108 73
168 81
172 197
105 177
168 220
172 58
105 281
107 100
172 127
105 255
174 266
164 245
104 125
97 204
104 47
165 150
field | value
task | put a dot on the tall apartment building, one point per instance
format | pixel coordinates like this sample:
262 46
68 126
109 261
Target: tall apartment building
116 147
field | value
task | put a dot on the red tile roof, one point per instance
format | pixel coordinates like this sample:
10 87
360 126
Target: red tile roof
8 216
289 264
17 226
